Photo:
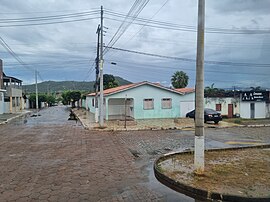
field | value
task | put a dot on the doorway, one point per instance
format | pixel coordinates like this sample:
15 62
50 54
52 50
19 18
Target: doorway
252 110
230 110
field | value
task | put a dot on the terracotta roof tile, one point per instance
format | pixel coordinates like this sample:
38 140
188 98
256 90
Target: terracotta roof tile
117 89
128 86
185 90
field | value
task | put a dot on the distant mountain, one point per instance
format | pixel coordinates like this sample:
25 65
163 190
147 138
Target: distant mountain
58 86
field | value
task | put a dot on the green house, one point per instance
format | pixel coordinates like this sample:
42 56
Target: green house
144 100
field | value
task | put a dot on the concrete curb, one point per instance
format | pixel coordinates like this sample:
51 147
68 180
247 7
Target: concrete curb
202 194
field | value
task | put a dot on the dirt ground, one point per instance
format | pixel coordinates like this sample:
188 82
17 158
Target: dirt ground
248 121
244 172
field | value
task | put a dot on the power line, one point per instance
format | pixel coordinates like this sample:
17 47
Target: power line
34 12
172 26
49 23
15 56
135 10
191 60
50 17
60 63
149 66
166 1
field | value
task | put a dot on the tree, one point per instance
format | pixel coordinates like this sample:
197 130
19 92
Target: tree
109 81
74 96
71 97
257 88
50 100
41 98
211 91
179 79
66 97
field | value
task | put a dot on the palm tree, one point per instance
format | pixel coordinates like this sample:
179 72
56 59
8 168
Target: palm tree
257 88
179 79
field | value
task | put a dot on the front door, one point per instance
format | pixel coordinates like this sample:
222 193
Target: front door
252 110
230 110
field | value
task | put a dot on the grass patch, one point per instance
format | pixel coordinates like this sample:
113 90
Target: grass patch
238 121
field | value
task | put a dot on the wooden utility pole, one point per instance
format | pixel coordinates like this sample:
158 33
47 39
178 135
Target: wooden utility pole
101 104
199 99
97 76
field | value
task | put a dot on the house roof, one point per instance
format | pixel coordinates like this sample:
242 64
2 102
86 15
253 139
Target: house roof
185 90
134 85
8 78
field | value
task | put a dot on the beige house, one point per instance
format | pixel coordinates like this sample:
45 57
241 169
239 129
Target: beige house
12 88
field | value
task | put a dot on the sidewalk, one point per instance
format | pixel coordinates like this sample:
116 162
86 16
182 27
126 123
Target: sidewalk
88 121
5 118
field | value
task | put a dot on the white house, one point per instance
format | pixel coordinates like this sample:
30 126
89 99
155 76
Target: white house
255 104
227 106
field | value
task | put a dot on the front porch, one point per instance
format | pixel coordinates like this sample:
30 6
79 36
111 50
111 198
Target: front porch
121 109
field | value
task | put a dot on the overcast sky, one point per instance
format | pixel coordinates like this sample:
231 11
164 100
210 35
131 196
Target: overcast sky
66 50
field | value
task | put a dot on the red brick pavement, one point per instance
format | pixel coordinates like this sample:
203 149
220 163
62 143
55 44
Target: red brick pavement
67 163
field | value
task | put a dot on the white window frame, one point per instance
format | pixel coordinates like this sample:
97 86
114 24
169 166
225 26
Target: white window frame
166 103
148 103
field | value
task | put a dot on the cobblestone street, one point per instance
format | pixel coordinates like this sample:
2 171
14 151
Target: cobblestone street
48 158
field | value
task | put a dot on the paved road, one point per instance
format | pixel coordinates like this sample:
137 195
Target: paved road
48 158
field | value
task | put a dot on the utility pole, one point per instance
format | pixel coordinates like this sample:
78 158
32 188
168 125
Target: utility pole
36 92
97 76
101 119
199 99
126 111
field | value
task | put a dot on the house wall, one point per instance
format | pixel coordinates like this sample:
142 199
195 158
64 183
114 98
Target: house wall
267 115
6 107
260 110
88 104
14 91
116 106
2 106
225 101
26 103
140 93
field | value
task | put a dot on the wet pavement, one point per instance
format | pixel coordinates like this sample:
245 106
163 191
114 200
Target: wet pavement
49 158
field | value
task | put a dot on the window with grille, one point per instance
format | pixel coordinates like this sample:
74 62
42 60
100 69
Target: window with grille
148 104
93 102
166 103
218 107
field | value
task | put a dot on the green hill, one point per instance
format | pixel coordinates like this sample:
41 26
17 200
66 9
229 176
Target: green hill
58 86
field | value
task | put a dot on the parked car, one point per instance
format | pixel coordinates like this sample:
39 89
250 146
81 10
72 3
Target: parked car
209 115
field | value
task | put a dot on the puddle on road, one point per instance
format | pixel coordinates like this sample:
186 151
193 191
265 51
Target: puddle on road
49 116
153 184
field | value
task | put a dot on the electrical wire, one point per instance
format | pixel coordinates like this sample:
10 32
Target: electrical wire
15 56
191 60
50 23
111 15
135 65
50 17
135 10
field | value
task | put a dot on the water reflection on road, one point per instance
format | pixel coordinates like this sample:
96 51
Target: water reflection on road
54 115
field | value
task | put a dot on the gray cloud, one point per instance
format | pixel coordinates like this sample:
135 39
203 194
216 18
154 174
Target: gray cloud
235 6
66 51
